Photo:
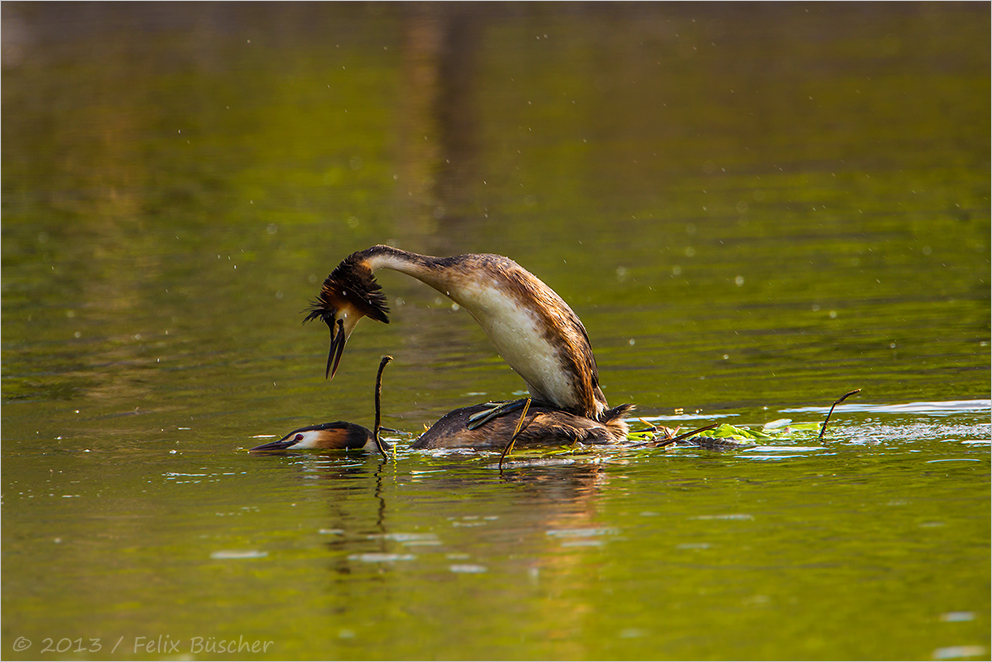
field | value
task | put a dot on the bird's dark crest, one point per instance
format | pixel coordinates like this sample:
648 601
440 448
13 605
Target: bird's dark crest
351 282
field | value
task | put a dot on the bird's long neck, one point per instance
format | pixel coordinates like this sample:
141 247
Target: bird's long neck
430 270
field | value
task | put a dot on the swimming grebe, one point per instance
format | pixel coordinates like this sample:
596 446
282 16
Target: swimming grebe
533 329
339 435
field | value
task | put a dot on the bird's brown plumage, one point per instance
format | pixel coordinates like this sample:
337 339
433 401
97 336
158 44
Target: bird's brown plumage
543 426
535 331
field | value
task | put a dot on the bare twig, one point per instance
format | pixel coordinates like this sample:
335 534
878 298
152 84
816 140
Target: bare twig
513 438
650 427
669 442
378 397
842 399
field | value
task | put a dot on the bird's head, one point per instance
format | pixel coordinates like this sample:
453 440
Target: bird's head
349 294
339 435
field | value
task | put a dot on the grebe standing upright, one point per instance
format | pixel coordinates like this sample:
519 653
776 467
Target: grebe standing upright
533 329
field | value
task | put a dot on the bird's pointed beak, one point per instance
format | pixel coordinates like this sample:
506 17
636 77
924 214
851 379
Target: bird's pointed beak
338 340
280 445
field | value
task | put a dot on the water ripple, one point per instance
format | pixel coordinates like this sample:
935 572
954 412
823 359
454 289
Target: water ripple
934 408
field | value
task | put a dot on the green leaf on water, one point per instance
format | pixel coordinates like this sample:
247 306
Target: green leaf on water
778 433
728 431
790 432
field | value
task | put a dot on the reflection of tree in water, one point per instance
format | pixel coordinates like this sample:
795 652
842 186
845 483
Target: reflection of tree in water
439 140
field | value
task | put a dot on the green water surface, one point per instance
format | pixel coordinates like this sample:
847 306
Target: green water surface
753 208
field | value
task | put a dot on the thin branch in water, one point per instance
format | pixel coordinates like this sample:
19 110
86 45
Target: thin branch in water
513 438
378 398
842 399
669 442
650 428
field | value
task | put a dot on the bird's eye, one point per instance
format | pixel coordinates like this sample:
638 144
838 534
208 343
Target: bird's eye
298 437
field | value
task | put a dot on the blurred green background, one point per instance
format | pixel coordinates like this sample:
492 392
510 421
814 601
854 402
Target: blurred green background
750 206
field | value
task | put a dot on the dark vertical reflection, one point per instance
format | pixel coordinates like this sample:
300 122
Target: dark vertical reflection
458 125
439 141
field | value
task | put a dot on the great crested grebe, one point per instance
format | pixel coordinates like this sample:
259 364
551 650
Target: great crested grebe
542 425
339 435
533 329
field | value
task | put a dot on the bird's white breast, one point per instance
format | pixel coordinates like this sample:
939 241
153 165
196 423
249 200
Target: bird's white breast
521 339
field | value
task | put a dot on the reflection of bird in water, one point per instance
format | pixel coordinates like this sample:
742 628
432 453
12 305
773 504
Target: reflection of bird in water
339 435
531 326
